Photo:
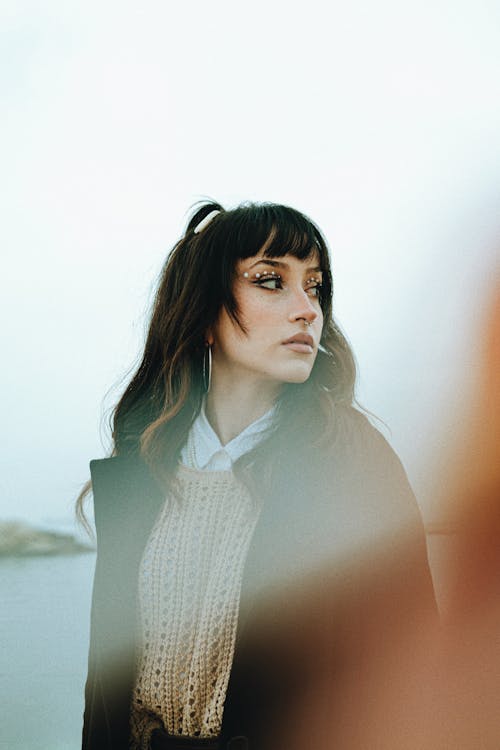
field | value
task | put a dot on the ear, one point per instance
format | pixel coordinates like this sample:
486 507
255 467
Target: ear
209 337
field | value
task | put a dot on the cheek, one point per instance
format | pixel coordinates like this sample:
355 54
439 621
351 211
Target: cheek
256 313
256 309
254 317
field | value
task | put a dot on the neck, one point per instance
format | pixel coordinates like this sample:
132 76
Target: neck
233 404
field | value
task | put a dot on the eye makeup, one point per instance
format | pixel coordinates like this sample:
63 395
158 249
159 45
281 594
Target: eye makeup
261 278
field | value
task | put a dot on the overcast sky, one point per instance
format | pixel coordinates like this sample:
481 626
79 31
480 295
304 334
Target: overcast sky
380 120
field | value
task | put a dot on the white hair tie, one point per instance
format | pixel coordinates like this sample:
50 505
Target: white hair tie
204 222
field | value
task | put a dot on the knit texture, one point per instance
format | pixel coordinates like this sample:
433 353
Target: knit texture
189 591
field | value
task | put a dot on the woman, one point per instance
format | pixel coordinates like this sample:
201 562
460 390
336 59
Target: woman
240 470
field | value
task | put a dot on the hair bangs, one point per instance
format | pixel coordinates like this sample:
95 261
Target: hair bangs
274 229
293 234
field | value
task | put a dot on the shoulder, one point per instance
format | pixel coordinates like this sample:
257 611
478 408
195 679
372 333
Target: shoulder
114 468
343 446
365 466
122 486
355 429
119 473
356 437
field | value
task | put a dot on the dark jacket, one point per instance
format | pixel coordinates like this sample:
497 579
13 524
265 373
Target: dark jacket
320 508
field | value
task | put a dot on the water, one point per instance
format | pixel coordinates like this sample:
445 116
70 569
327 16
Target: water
44 627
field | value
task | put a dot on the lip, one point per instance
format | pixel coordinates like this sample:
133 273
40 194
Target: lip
301 342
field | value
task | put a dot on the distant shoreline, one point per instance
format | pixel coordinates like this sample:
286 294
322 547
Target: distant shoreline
20 539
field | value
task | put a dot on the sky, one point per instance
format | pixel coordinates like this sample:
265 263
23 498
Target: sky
379 120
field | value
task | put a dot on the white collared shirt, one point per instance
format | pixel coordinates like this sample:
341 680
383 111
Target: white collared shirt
203 449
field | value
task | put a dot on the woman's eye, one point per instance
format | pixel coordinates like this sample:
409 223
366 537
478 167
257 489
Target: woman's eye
314 290
270 282
273 282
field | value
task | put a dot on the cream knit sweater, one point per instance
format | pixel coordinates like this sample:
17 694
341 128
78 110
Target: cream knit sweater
189 589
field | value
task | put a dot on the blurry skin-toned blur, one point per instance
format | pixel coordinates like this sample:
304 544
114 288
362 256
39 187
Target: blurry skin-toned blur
400 679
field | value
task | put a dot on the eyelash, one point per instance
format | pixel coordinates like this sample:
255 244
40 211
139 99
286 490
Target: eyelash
264 278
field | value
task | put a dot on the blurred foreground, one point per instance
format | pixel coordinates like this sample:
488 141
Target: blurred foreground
392 677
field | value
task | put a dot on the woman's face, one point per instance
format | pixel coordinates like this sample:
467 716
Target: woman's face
279 307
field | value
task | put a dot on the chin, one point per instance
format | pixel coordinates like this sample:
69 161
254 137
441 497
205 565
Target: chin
298 375
299 380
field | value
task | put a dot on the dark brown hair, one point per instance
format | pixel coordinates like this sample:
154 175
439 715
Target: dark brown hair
164 396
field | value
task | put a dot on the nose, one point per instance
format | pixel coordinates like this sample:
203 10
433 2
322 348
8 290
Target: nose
302 308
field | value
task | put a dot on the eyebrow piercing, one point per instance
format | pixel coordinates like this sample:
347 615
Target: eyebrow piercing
258 275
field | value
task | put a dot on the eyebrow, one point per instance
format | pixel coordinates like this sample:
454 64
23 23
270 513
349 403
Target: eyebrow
281 264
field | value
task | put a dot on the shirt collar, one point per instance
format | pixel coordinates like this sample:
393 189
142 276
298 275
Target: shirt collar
208 444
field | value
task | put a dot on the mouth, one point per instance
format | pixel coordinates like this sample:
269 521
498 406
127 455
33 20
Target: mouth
301 342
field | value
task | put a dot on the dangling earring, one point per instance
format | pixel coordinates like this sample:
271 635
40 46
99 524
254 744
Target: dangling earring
207 367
